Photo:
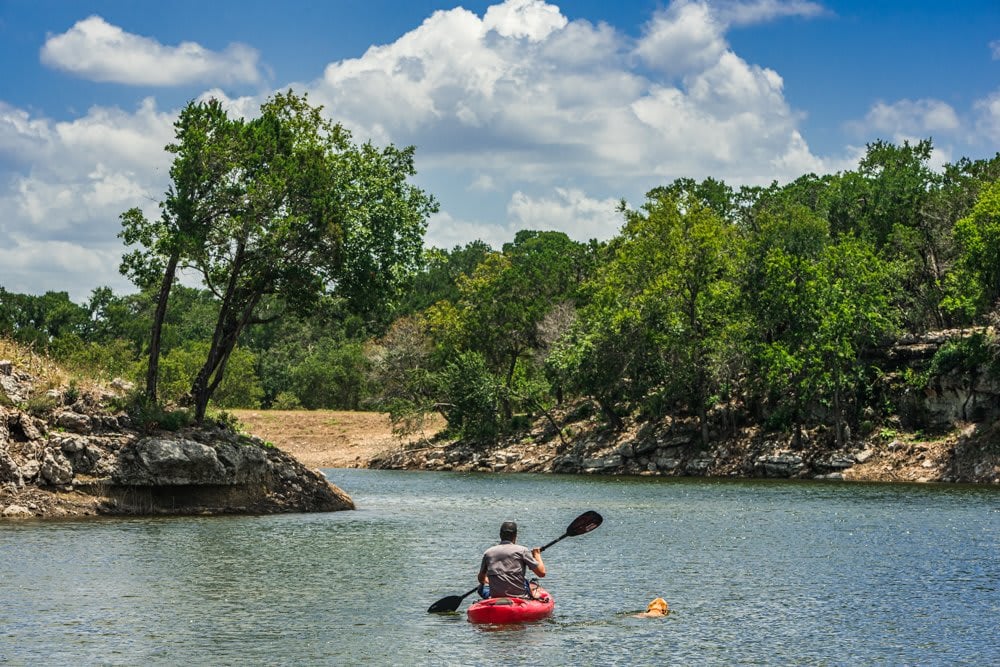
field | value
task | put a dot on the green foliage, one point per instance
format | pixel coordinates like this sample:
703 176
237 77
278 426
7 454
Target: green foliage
978 239
403 374
439 274
149 417
282 205
317 292
473 396
227 421
286 400
40 404
333 376
659 310
72 393
37 320
239 389
967 356
105 360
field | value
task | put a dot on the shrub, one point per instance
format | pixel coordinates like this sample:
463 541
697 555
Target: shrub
286 400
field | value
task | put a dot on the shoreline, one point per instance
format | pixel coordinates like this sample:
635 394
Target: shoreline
340 439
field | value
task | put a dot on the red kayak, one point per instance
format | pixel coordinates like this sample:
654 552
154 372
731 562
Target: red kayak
512 610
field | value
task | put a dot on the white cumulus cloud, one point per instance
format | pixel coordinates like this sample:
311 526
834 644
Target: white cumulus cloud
988 117
94 49
566 210
910 120
532 19
686 37
60 222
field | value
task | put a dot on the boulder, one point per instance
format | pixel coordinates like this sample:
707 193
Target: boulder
9 470
17 512
166 461
73 421
56 469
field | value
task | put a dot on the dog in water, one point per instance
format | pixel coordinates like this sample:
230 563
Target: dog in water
656 609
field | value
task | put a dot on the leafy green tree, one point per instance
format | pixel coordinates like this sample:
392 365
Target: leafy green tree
658 312
819 305
608 356
403 374
332 376
439 274
307 214
113 317
201 193
891 201
781 276
978 239
685 258
474 396
503 303
40 319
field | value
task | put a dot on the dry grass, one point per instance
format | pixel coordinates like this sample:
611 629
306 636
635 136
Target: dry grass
46 372
329 438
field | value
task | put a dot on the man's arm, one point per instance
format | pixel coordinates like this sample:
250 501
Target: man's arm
536 553
482 571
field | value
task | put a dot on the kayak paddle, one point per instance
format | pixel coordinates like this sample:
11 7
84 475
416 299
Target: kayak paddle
584 523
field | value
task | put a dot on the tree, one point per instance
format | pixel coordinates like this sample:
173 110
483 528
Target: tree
684 256
658 312
240 389
891 202
40 319
818 305
978 239
307 215
438 276
202 191
503 303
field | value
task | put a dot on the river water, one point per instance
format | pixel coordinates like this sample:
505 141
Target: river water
755 573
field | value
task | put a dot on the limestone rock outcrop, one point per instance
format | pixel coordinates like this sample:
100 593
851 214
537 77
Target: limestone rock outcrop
79 457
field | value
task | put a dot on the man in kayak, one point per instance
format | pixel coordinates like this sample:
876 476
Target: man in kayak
504 565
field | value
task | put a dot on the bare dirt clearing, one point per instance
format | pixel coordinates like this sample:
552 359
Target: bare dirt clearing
330 438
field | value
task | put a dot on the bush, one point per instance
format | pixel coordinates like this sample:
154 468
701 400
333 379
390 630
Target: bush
332 376
286 400
148 416
240 387
473 396
40 405
967 356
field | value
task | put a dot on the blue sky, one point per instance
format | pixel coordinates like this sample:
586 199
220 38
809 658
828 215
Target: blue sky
525 114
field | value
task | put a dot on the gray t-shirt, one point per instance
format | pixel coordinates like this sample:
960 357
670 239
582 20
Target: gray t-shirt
505 565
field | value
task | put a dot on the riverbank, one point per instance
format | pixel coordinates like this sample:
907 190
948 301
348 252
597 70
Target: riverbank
672 447
969 454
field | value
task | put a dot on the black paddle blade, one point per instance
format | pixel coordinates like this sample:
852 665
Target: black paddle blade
584 523
449 603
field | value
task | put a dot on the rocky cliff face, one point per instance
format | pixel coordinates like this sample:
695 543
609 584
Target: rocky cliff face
71 455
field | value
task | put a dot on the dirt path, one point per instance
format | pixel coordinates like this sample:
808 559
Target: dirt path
328 438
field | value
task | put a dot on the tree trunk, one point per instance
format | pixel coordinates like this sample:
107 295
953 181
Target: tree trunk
610 414
152 372
224 341
837 418
508 410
